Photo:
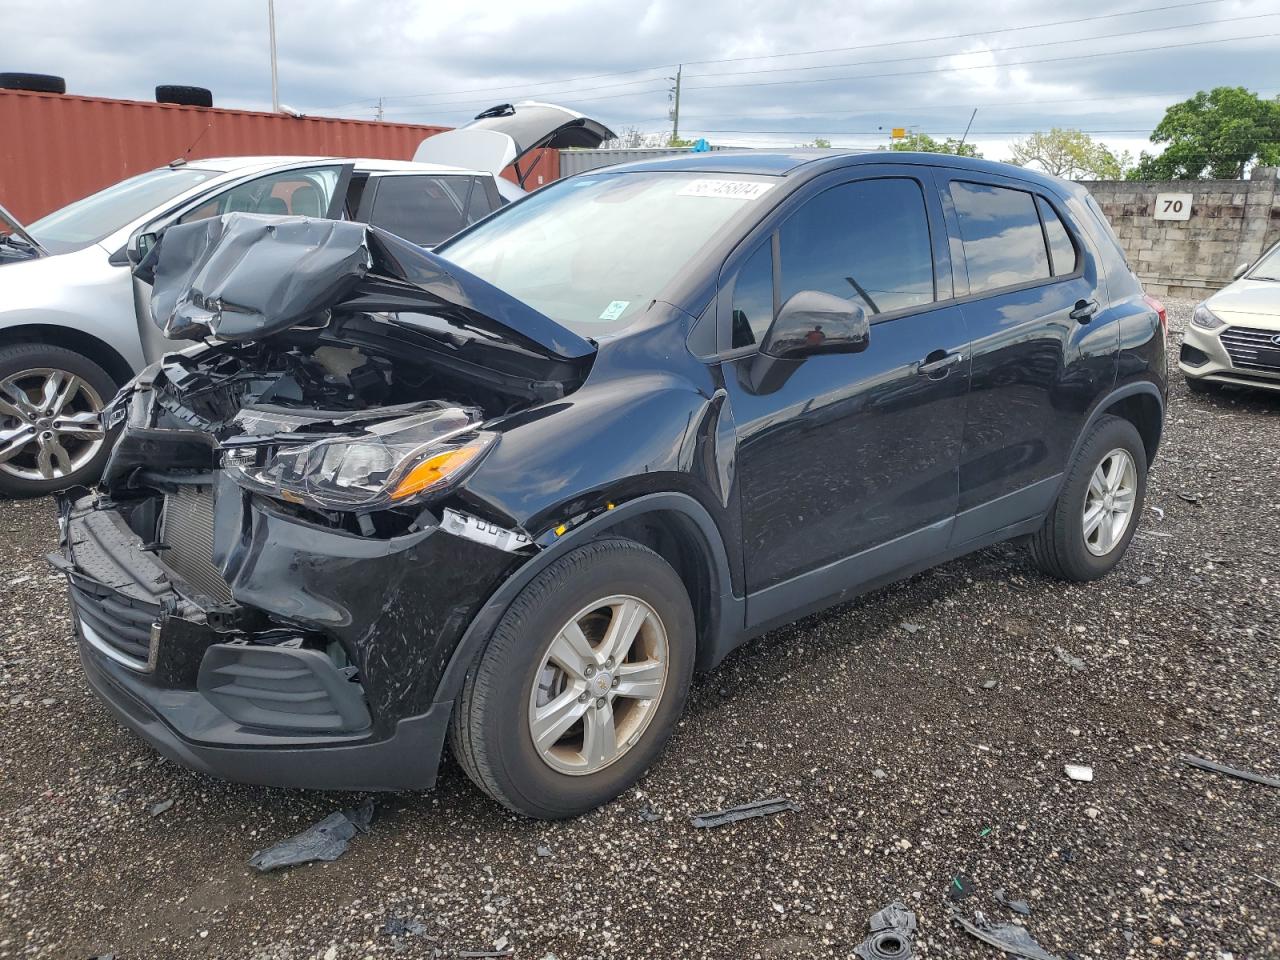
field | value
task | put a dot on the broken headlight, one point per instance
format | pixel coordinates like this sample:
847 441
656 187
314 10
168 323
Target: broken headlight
389 463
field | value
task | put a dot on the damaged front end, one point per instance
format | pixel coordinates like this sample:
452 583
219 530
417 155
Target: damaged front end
282 554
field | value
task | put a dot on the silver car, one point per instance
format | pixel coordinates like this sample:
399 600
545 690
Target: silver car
1234 336
74 325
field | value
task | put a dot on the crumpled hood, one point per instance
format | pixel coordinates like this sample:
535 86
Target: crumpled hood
246 276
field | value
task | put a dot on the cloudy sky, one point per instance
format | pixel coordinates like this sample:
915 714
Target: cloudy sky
756 72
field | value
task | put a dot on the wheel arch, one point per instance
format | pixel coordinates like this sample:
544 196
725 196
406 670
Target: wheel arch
676 527
1142 405
86 344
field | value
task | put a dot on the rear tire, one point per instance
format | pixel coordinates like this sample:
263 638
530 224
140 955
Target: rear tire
1065 547
516 681
29 427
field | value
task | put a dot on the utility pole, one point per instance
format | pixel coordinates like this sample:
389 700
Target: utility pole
968 126
675 110
275 85
377 114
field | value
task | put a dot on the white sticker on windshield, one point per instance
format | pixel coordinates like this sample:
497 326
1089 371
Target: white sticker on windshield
614 310
732 189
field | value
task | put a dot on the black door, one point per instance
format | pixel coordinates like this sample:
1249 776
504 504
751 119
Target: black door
1042 341
847 463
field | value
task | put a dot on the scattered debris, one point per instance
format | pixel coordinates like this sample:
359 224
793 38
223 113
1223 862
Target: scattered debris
988 684
1159 512
1020 907
161 807
326 840
758 808
1143 582
879 774
1078 772
649 815
961 887
1070 659
544 851
399 927
1092 813
1191 497
1159 534
910 627
1212 767
1008 937
891 931
505 952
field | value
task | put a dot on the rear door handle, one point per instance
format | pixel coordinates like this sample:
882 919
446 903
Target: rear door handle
1084 310
938 362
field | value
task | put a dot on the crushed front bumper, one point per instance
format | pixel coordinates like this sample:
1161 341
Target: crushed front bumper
320 672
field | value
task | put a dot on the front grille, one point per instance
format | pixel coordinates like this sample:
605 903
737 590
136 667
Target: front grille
186 530
1252 349
122 625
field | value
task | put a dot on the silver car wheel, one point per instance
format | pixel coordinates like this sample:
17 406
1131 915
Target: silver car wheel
1109 502
598 685
49 424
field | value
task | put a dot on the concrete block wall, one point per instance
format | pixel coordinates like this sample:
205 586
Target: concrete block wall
1231 221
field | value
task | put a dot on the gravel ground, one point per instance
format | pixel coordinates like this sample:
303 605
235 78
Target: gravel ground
879 720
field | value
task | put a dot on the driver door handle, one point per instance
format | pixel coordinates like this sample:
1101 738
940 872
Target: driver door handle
933 365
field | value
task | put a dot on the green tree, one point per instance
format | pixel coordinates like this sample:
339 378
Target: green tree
923 143
1216 135
679 142
1072 154
821 143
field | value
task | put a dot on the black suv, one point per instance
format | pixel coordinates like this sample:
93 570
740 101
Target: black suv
514 493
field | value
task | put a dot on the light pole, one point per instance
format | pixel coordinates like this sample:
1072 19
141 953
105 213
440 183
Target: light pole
275 85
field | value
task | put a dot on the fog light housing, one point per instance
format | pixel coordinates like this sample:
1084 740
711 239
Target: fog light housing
1193 357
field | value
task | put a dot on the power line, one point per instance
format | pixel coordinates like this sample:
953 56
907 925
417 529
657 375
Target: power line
772 56
984 66
1022 46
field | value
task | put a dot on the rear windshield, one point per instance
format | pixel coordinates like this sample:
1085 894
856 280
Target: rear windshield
101 214
593 251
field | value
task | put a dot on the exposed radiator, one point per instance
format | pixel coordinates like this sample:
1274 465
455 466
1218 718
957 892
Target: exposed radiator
186 528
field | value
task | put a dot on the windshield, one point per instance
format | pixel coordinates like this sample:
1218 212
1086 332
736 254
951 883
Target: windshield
100 214
1268 268
591 252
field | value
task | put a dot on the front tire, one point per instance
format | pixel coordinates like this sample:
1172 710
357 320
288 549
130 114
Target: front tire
1091 523
581 684
50 435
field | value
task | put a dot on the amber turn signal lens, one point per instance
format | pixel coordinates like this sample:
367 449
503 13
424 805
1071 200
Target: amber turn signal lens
433 470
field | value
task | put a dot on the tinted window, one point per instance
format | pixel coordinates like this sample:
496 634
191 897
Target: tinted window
481 204
753 297
1003 243
1062 252
423 210
866 241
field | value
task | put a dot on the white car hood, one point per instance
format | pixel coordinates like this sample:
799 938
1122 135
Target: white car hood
1251 300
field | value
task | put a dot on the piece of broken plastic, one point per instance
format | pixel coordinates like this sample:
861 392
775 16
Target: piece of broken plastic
1079 772
326 840
1008 937
1212 767
758 808
1017 906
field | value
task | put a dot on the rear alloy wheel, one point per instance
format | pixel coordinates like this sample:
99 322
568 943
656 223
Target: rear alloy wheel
1089 526
51 435
581 683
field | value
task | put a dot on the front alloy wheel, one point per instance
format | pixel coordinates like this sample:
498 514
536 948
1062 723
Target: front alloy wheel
581 683
49 424
598 686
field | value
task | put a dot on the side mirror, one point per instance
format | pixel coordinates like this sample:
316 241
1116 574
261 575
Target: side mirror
815 322
1240 269
139 246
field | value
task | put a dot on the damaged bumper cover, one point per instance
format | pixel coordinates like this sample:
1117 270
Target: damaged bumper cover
321 669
